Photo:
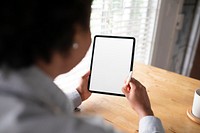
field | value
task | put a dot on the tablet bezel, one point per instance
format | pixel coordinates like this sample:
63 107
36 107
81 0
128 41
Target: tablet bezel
91 64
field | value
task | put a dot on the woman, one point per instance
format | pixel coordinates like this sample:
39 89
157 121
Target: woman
38 41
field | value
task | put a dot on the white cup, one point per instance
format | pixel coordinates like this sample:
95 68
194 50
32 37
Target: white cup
196 104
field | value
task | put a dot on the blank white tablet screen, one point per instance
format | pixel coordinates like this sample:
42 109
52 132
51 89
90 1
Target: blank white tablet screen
111 64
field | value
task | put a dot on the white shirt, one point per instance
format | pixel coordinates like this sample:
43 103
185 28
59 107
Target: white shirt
31 103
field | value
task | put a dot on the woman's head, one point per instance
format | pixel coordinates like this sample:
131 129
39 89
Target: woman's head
32 30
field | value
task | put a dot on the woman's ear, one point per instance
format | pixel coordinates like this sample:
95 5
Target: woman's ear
78 33
82 34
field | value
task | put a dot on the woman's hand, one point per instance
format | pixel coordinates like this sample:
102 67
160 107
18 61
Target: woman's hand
83 87
136 94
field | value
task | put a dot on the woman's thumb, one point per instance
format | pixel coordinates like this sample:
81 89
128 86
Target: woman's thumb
125 90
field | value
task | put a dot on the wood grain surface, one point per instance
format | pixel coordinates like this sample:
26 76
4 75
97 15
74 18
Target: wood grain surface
170 94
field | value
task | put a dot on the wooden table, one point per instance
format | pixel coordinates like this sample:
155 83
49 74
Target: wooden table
170 94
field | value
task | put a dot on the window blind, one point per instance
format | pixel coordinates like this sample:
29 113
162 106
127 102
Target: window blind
135 18
127 18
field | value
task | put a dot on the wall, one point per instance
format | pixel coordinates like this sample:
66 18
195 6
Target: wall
188 10
166 33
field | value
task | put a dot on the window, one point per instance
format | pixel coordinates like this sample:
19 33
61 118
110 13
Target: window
135 18
127 18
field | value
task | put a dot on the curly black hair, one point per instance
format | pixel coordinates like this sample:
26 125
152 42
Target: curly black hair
32 29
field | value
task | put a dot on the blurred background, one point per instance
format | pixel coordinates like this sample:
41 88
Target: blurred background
167 34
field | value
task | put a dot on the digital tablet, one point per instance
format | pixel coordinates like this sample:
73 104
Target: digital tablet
111 62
